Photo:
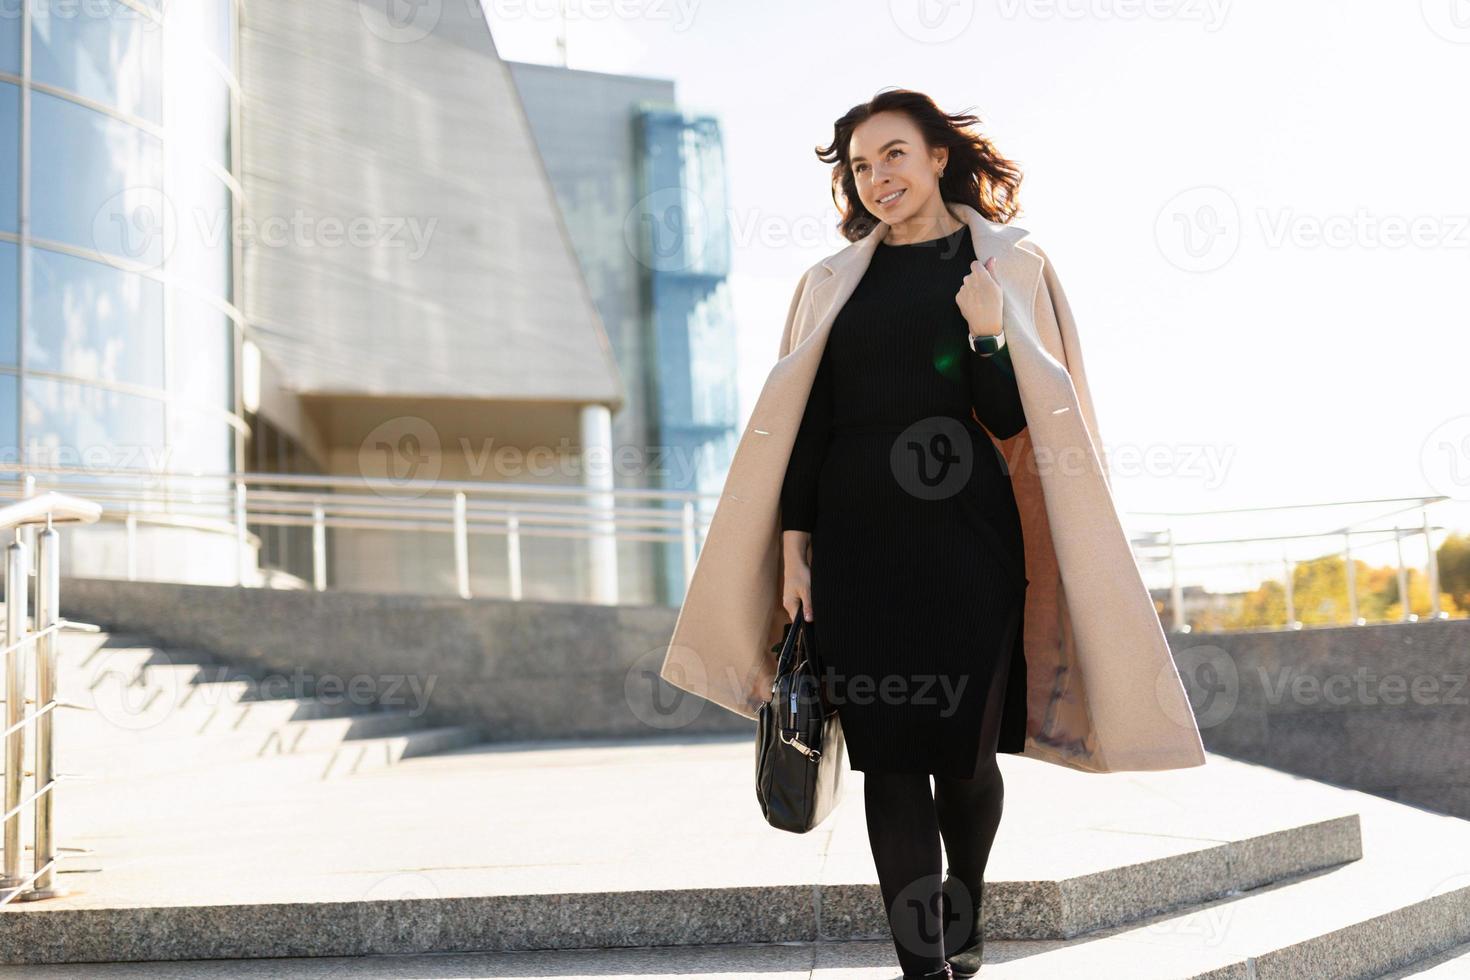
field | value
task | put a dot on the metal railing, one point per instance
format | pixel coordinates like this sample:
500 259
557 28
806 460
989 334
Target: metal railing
25 633
229 504
1257 558
1255 544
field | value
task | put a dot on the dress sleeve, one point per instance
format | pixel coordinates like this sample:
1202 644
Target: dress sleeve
993 392
799 490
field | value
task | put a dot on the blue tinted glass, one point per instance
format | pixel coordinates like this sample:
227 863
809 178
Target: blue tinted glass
95 182
80 425
108 52
10 38
9 157
9 300
9 447
94 321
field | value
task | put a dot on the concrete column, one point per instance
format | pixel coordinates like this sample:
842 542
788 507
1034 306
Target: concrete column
602 547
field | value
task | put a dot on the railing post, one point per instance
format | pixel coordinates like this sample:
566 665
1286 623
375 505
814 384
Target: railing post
1352 578
17 572
1176 591
1398 544
1431 568
1289 568
242 549
688 522
132 542
513 554
318 547
461 546
48 613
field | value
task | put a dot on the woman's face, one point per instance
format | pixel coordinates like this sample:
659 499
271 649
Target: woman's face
888 156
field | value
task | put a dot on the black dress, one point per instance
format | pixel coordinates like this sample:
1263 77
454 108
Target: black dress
918 570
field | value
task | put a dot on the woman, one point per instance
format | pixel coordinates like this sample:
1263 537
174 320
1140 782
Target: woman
900 532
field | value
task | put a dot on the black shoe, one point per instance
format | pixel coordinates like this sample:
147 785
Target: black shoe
965 960
942 974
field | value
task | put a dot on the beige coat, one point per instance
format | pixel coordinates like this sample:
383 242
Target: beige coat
1103 692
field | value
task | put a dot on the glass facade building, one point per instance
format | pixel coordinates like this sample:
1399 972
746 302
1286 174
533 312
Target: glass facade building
119 329
683 211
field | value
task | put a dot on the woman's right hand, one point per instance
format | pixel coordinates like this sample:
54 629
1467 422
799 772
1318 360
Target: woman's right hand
797 574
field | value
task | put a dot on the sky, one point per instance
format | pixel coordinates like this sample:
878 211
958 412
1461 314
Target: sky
1259 213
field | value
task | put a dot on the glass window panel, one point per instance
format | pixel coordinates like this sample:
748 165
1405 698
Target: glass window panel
94 321
9 300
9 447
204 348
95 182
201 250
79 425
105 51
9 157
10 38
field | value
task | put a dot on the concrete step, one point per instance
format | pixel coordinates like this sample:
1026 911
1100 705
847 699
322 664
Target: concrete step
514 861
91 745
1450 964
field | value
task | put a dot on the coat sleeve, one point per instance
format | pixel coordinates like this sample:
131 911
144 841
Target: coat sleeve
1072 350
994 394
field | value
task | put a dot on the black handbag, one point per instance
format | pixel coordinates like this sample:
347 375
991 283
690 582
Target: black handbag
798 741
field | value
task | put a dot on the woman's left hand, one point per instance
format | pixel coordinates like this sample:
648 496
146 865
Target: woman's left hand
980 299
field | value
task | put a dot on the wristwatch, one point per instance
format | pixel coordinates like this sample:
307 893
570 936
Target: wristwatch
987 345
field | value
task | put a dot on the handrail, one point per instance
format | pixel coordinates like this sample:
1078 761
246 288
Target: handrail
49 508
35 631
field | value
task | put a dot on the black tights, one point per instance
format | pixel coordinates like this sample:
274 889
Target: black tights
905 826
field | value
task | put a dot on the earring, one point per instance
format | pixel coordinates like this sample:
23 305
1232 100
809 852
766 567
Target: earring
941 171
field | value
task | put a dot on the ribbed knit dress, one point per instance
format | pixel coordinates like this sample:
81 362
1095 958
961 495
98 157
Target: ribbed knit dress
918 570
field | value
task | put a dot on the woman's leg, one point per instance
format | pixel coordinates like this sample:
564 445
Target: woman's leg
904 834
969 812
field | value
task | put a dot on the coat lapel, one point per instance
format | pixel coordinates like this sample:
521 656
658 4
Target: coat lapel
1018 270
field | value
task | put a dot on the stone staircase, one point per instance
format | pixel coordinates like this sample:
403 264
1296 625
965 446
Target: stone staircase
649 858
154 711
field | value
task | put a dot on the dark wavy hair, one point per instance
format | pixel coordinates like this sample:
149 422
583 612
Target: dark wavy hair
975 174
